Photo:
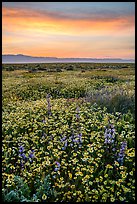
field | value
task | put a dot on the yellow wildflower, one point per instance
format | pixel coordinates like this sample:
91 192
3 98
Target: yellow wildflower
112 199
116 163
10 177
132 154
73 186
48 162
90 183
70 175
121 167
101 178
48 147
131 173
124 176
79 174
118 183
44 197
87 177
109 166
97 179
118 193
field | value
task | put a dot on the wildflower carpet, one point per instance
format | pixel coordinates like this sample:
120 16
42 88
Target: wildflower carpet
66 149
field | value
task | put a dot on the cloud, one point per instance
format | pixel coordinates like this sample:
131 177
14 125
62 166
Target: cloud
104 15
51 22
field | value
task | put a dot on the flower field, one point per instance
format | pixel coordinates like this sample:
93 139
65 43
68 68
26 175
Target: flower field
63 141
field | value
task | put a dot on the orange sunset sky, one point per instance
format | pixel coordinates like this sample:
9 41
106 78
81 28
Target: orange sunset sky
69 29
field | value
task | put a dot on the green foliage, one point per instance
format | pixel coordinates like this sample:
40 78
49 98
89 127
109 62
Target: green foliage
111 79
44 187
12 196
17 192
58 69
10 68
69 66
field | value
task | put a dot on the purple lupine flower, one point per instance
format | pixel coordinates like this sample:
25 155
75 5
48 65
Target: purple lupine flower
109 141
106 133
43 121
31 155
80 134
24 156
113 130
111 126
66 144
122 152
80 137
71 144
22 165
21 149
109 135
72 136
81 140
63 139
58 166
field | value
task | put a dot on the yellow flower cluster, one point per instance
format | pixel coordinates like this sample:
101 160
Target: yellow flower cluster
78 173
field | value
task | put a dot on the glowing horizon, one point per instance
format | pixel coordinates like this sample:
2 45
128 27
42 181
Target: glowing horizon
69 29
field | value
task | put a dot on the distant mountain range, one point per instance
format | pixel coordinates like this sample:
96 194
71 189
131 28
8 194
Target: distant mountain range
19 58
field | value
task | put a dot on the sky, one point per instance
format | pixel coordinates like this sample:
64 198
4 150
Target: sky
69 29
